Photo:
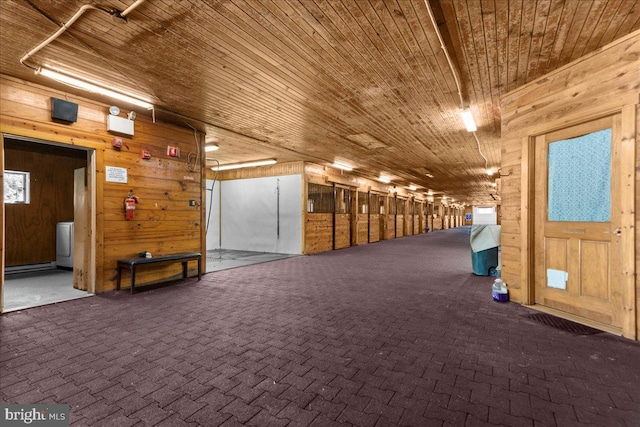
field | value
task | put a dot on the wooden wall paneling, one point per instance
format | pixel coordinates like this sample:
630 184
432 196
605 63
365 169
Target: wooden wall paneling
401 204
278 169
522 231
637 211
362 234
342 231
374 228
437 223
98 173
390 227
425 217
554 106
356 220
410 227
408 218
630 233
318 232
400 225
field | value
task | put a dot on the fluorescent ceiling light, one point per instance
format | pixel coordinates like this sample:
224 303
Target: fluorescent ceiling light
490 172
90 87
413 187
342 166
210 148
384 179
244 165
467 118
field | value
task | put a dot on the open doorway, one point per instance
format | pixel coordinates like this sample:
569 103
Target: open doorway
48 205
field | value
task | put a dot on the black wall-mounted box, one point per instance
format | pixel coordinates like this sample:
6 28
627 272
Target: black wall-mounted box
64 111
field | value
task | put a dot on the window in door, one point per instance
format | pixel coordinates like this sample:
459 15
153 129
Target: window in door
579 179
16 187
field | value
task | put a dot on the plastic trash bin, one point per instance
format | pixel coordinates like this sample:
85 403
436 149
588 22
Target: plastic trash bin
483 262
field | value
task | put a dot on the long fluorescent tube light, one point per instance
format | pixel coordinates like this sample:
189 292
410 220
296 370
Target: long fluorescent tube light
384 179
467 118
342 166
413 187
90 87
244 165
210 148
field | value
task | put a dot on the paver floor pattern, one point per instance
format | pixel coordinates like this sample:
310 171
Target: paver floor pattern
394 333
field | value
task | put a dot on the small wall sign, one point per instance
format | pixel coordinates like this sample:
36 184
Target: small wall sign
557 278
115 174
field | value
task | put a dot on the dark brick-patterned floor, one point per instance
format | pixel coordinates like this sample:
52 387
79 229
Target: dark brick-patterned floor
392 333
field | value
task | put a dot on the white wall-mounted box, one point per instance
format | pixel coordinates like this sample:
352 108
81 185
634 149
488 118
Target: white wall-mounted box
119 125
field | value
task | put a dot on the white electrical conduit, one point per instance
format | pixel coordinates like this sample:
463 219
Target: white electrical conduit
453 71
486 163
446 53
61 30
68 24
130 8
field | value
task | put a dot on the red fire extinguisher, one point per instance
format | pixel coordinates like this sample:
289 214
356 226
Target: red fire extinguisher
130 206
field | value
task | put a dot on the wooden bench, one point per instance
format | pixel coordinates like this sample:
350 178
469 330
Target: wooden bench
133 263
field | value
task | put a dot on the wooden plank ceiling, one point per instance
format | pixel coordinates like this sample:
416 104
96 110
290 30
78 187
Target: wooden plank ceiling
363 82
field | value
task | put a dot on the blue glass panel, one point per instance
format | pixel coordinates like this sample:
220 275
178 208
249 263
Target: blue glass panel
580 178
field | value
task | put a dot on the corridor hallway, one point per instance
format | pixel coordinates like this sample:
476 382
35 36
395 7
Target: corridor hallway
398 332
